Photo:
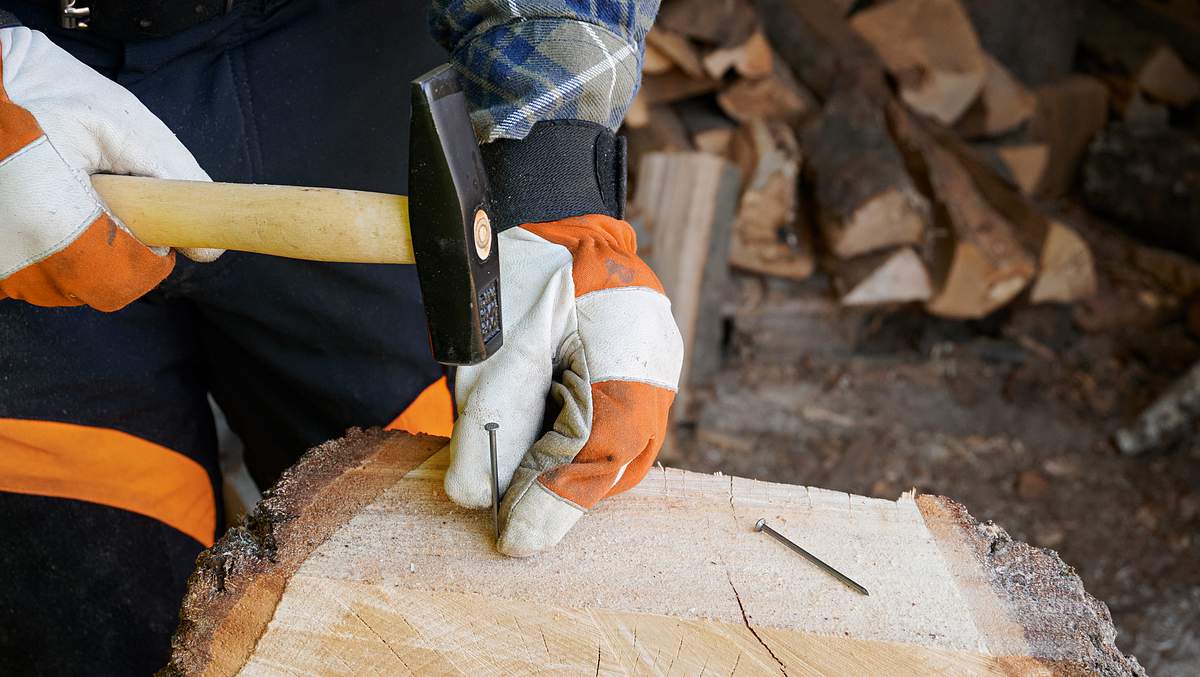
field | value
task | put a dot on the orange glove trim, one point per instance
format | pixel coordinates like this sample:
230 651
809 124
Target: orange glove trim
629 424
18 128
604 251
629 419
105 268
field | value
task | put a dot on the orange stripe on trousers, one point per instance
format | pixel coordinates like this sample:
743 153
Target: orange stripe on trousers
431 413
108 467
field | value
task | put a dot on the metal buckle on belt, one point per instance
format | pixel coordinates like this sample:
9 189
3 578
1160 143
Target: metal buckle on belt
72 17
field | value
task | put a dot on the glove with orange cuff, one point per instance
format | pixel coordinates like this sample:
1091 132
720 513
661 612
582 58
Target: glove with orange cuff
60 121
585 323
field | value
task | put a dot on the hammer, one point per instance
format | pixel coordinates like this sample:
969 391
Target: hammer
451 239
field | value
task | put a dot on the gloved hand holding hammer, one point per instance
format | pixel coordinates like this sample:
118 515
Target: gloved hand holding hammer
110 347
586 320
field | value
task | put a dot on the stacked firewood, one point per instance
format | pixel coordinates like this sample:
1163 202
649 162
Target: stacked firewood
883 142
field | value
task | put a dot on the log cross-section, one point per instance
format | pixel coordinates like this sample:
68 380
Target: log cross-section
357 563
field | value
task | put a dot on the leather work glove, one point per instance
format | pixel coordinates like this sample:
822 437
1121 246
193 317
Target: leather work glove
60 121
586 321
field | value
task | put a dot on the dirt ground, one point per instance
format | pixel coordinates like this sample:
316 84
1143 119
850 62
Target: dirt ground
1012 416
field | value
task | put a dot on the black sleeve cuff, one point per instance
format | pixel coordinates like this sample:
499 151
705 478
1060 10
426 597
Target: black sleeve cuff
8 19
562 168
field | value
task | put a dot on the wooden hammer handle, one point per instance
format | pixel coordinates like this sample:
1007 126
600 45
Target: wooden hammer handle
318 224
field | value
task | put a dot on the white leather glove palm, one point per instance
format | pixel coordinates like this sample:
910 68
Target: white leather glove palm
60 122
587 323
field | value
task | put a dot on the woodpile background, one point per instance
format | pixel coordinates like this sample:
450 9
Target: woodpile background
913 151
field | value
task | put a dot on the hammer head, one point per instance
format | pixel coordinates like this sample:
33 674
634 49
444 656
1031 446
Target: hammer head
456 250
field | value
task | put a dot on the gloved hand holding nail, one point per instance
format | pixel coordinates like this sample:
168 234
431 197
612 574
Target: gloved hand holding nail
587 323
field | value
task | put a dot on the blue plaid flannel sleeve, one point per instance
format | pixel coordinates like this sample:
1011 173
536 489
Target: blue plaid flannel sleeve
525 61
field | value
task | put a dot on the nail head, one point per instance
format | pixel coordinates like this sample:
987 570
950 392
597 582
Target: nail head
762 522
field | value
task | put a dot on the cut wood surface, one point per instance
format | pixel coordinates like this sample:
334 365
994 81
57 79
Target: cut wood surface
655 62
882 278
865 198
1003 104
931 49
769 236
689 202
775 97
1066 271
357 563
678 49
751 59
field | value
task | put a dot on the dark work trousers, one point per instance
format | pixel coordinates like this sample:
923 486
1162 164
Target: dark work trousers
275 91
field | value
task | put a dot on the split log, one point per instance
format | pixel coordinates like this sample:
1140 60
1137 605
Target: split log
1035 39
673 86
824 53
1069 114
1147 180
689 200
1003 104
775 97
751 59
1022 165
979 264
678 49
662 131
356 563
717 22
1151 64
883 278
865 198
931 49
701 117
769 237
1066 270
1172 417
655 62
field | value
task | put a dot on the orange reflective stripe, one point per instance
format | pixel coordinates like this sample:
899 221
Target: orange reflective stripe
109 467
431 413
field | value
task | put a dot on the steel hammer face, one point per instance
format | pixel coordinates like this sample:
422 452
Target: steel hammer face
454 245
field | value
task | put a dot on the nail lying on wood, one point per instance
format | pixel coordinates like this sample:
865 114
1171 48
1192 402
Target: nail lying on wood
761 525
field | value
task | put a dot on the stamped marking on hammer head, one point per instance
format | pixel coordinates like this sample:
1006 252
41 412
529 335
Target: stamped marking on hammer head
458 261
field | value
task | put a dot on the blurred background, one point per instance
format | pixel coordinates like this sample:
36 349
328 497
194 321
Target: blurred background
948 245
